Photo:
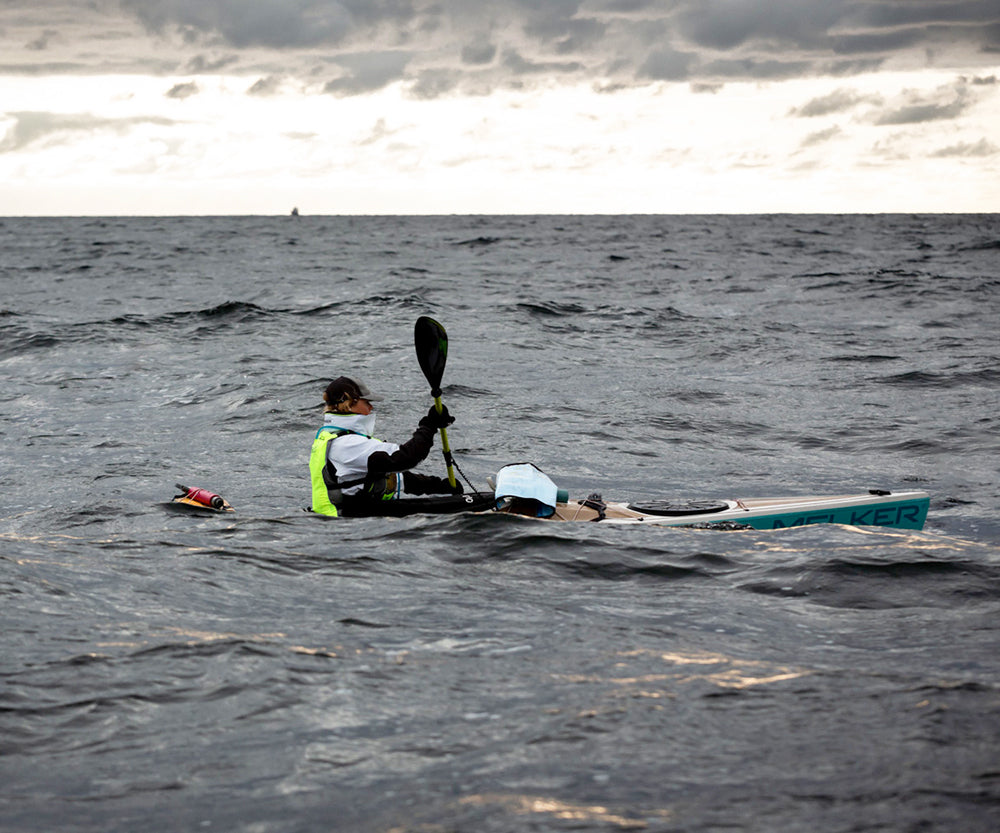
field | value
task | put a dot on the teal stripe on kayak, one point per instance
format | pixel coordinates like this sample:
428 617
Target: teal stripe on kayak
907 514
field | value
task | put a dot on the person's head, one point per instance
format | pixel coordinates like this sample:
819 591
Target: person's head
349 396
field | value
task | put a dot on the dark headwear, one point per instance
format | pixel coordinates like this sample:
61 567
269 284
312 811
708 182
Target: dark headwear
343 387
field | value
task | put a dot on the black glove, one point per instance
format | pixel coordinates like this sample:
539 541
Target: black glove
425 484
437 420
448 489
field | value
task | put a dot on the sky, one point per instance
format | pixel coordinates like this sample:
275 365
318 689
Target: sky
202 107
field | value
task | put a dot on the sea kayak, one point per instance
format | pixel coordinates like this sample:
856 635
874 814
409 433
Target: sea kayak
901 510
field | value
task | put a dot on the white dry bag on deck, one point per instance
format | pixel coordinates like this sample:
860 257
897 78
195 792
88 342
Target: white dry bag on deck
525 489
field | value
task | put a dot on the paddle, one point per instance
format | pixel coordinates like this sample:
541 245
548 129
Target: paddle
431 343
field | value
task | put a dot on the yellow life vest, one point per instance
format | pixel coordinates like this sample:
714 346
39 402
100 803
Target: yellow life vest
322 502
326 489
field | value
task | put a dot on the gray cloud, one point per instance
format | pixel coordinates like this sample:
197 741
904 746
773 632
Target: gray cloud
455 44
182 91
242 23
367 71
725 25
921 13
921 112
971 150
378 132
269 85
761 69
838 101
821 136
42 41
519 65
880 42
201 64
917 107
667 65
46 68
432 84
31 127
479 53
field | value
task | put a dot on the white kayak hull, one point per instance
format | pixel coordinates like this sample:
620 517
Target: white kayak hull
901 510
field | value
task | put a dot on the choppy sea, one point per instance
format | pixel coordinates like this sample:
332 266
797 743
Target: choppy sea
272 672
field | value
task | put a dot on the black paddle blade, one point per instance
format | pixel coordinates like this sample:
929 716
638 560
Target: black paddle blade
431 343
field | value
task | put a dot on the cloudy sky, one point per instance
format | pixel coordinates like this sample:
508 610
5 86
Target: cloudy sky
498 106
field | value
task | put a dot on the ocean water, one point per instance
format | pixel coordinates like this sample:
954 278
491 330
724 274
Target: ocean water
273 672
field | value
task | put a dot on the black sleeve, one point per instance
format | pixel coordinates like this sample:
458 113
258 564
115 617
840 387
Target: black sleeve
410 453
425 484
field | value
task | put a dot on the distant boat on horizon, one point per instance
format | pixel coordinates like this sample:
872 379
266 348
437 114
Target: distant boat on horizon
295 212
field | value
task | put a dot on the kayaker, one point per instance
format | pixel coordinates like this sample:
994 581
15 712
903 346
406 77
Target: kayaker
352 472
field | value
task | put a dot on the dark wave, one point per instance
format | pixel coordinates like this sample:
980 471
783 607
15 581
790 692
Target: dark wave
17 340
869 358
409 270
628 570
36 334
551 309
988 376
369 305
874 585
20 334
320 309
225 314
985 246
468 391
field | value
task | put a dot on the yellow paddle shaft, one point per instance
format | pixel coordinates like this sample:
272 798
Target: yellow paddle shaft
444 445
